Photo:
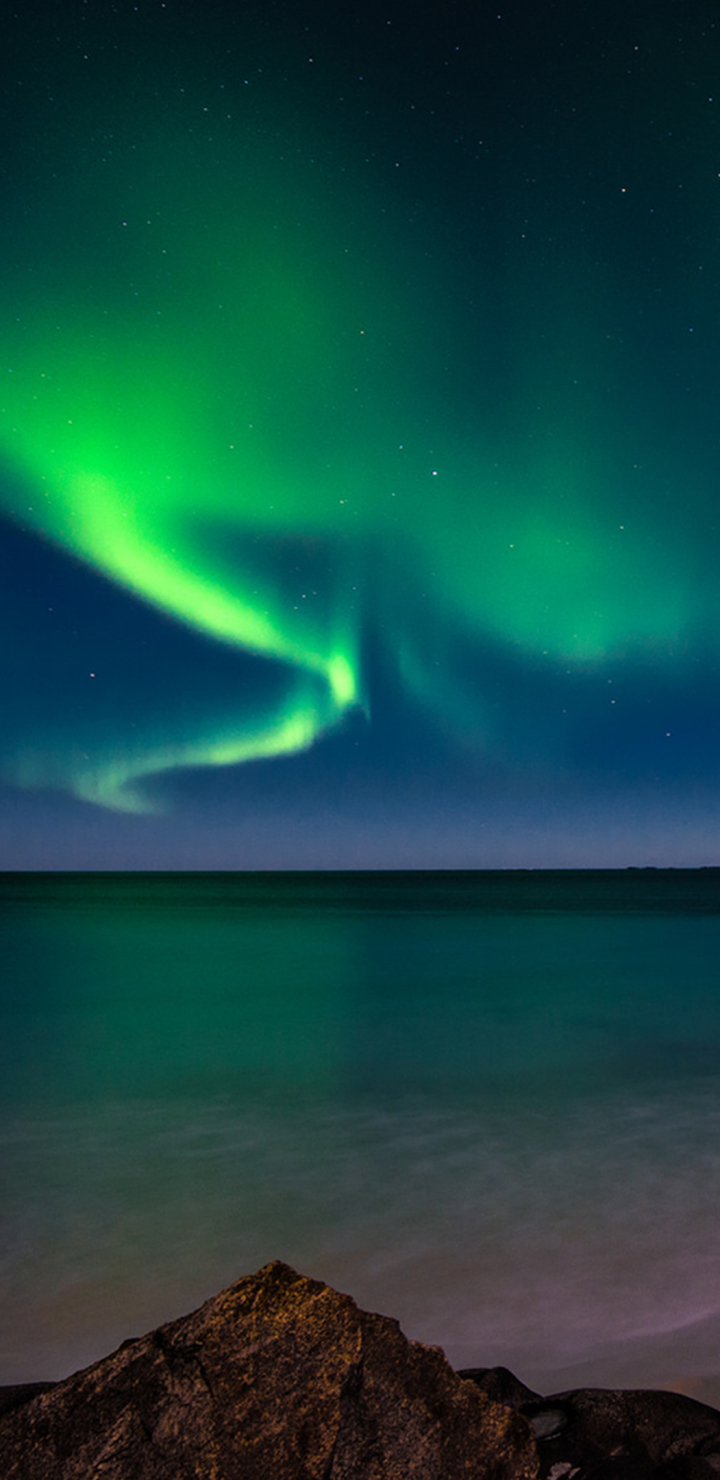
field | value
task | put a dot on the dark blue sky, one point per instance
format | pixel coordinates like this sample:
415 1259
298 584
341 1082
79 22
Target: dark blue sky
358 436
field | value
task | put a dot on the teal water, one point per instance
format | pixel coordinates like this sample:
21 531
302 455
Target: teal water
487 1104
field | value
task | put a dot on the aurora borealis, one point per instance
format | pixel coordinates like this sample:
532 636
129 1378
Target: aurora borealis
359 436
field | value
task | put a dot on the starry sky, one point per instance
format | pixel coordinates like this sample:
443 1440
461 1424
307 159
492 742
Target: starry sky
359 434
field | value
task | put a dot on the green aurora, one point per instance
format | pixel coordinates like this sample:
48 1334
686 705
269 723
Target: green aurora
228 347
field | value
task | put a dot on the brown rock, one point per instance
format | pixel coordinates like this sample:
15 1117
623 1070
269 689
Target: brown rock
277 1378
19 1393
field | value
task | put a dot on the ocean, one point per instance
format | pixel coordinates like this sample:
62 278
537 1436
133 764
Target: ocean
487 1104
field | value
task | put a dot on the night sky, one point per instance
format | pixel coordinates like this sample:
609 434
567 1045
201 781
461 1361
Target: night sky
359 434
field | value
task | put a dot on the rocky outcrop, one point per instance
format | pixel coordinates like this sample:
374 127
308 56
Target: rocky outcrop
281 1378
277 1378
17 1395
599 1434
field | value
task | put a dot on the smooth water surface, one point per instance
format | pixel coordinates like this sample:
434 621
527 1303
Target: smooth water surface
487 1104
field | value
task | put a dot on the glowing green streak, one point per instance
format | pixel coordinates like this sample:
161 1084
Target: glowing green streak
103 530
226 374
115 783
125 554
116 786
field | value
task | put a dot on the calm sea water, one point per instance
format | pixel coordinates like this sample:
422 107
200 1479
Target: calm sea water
487 1104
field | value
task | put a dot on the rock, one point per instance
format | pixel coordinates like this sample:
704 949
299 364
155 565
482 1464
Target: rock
277 1378
501 1385
598 1434
15 1396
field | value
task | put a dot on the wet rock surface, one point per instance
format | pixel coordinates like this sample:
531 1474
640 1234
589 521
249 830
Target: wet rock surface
600 1434
277 1378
